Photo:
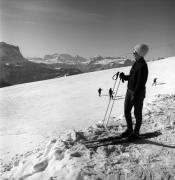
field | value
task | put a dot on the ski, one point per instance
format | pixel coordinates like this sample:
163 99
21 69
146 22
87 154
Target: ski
119 140
101 139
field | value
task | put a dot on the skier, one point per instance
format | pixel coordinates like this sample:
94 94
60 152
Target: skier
110 93
99 91
154 82
136 91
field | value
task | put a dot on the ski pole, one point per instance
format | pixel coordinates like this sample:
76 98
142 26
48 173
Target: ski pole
113 103
115 75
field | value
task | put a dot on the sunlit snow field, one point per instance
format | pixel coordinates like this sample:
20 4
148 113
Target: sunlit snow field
31 112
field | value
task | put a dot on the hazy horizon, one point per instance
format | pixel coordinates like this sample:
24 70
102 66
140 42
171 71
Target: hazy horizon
88 28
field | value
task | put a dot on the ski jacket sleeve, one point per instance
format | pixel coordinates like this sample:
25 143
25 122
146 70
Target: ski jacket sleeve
126 77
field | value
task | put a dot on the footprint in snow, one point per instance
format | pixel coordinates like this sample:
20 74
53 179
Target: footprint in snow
41 166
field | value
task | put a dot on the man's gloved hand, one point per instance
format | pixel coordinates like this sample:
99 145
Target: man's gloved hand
122 76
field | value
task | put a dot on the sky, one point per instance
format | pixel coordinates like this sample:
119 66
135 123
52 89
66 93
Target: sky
88 27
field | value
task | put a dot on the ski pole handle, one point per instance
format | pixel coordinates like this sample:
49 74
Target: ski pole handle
115 76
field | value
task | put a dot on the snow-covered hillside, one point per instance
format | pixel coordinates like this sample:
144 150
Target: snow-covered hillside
71 102
31 112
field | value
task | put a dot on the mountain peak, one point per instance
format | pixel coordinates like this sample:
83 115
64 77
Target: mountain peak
12 52
5 45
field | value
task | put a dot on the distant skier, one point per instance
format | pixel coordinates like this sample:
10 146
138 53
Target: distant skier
136 91
154 82
110 93
99 91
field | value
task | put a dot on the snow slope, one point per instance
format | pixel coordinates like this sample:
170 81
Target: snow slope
67 157
31 112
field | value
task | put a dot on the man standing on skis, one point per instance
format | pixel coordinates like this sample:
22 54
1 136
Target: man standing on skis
136 91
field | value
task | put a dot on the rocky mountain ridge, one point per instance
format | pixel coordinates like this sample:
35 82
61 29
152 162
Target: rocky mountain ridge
15 69
83 64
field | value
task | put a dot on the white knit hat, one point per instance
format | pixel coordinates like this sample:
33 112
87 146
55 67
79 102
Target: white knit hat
141 49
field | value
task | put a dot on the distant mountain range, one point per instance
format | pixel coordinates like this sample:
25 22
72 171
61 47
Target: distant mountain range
60 58
16 69
81 63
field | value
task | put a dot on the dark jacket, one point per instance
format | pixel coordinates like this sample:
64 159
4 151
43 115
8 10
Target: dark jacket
137 78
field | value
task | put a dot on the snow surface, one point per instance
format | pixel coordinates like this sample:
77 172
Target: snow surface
33 112
108 61
69 157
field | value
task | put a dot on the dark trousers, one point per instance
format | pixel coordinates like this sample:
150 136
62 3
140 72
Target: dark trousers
137 103
110 96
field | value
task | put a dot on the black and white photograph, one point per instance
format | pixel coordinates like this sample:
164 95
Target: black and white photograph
87 89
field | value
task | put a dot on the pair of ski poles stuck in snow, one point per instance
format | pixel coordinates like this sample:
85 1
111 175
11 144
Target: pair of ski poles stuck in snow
111 101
